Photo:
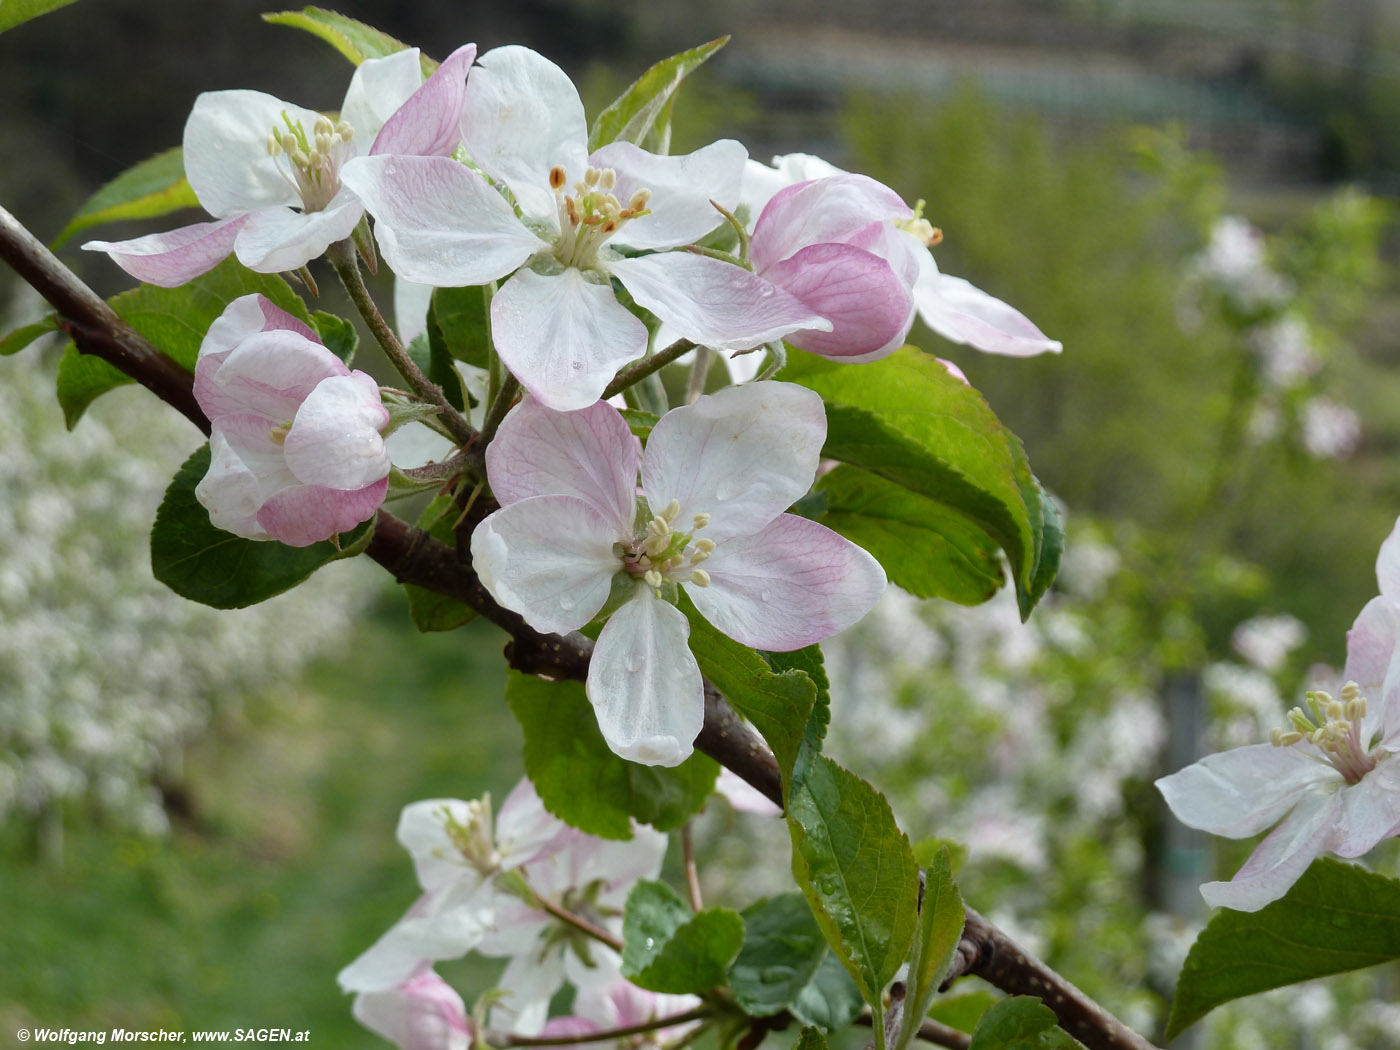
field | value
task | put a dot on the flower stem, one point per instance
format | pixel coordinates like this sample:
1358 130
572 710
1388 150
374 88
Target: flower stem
699 372
642 369
505 397
342 257
692 876
606 1036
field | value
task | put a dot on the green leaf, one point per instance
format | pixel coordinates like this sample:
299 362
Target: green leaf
857 871
778 705
941 919
1337 917
23 336
963 1012
811 663
206 564
642 113
1020 1023
174 320
582 782
16 12
155 187
337 333
907 420
667 949
831 1000
459 326
640 422
351 37
811 1039
783 947
929 550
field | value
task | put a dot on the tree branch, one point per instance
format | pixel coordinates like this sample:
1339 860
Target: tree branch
414 556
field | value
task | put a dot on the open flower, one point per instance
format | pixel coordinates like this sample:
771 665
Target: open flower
1331 775
269 171
480 893
556 323
716 477
823 234
297 452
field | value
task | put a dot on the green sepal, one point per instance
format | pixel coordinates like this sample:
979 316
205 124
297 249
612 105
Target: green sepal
155 187
666 948
582 782
338 334
642 114
1336 917
351 37
199 561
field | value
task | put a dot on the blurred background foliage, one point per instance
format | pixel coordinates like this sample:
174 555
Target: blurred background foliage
1088 161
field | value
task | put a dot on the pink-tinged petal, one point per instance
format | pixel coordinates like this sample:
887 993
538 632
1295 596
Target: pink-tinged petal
550 559
960 312
762 183
902 250
422 830
275 240
442 925
742 455
1241 792
743 796
792 583
568 1027
335 439
591 454
176 257
379 88
525 830
522 118
868 305
267 375
438 222
309 514
681 188
252 438
712 302
564 337
423 1013
1371 645
1276 863
1370 810
953 370
225 150
247 315
230 492
430 122
819 212
1388 565
645 685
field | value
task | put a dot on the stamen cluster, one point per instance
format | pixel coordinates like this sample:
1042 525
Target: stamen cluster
591 214
472 837
661 554
1334 728
315 160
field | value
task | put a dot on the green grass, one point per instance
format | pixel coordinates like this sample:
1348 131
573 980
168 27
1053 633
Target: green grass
291 869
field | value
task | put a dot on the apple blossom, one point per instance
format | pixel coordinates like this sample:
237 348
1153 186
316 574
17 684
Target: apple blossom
481 892
846 247
572 536
610 1004
1331 775
422 1013
297 452
556 323
269 171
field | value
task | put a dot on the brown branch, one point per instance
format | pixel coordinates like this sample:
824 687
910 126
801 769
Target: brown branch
414 556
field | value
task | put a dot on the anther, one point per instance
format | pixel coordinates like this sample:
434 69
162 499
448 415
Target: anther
671 511
700 578
701 520
556 179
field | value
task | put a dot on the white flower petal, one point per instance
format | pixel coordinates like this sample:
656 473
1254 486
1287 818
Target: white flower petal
1388 565
530 981
423 1013
645 685
960 312
1241 792
590 454
549 558
712 302
1370 810
1278 861
335 439
681 188
378 87
522 118
742 455
445 924
230 492
438 222
564 337
422 830
790 584
177 256
225 151
275 240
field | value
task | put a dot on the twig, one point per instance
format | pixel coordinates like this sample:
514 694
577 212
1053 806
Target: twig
578 922
607 1035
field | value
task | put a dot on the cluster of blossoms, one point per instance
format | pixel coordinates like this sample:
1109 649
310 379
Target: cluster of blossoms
482 176
528 890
